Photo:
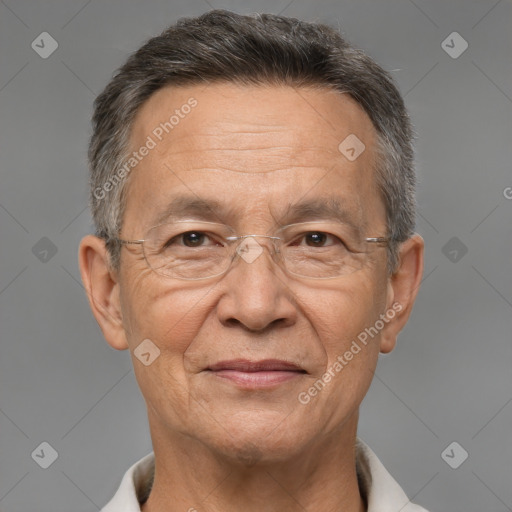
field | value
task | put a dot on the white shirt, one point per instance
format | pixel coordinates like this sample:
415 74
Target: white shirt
382 492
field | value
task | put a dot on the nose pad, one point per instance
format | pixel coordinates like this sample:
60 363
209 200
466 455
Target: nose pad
250 249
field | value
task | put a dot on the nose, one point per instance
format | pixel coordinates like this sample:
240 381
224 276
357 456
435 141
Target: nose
257 296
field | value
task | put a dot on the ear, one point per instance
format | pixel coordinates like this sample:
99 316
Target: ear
403 287
102 288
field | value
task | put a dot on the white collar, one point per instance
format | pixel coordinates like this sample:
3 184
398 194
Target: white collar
382 492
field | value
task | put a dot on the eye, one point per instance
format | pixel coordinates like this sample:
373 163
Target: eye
191 239
318 239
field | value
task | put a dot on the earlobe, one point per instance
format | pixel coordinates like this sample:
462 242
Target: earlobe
102 288
403 288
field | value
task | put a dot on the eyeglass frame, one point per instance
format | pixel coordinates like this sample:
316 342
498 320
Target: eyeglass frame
379 240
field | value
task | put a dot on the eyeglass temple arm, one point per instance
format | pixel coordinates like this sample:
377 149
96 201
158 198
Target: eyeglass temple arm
125 242
379 239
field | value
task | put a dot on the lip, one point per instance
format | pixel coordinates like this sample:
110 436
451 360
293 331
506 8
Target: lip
256 374
244 365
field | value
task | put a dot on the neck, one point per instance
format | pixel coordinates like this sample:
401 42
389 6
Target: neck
192 477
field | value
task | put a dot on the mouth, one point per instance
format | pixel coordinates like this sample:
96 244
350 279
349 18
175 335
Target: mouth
256 374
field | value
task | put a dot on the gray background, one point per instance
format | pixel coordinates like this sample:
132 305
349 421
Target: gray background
449 378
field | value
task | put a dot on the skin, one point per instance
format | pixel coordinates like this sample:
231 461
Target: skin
219 447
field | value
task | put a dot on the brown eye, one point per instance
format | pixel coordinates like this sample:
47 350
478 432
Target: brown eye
315 239
188 239
193 238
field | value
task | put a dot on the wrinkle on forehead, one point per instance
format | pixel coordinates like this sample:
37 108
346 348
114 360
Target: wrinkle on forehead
285 137
282 125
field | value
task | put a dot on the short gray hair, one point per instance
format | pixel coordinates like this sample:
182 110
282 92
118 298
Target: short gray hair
221 46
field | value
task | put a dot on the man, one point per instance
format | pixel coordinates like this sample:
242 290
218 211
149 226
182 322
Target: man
253 193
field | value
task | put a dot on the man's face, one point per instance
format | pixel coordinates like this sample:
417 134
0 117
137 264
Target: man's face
257 152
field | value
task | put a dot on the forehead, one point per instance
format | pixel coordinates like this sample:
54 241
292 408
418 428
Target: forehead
251 146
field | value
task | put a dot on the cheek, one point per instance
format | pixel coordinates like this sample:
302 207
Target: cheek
340 314
170 318
343 320
168 314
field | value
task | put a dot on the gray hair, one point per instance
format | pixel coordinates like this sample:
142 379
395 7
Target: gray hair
221 46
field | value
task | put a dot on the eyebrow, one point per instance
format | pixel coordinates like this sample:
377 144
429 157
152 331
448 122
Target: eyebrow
194 207
324 208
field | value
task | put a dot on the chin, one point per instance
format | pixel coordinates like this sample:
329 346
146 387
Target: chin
257 438
249 453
